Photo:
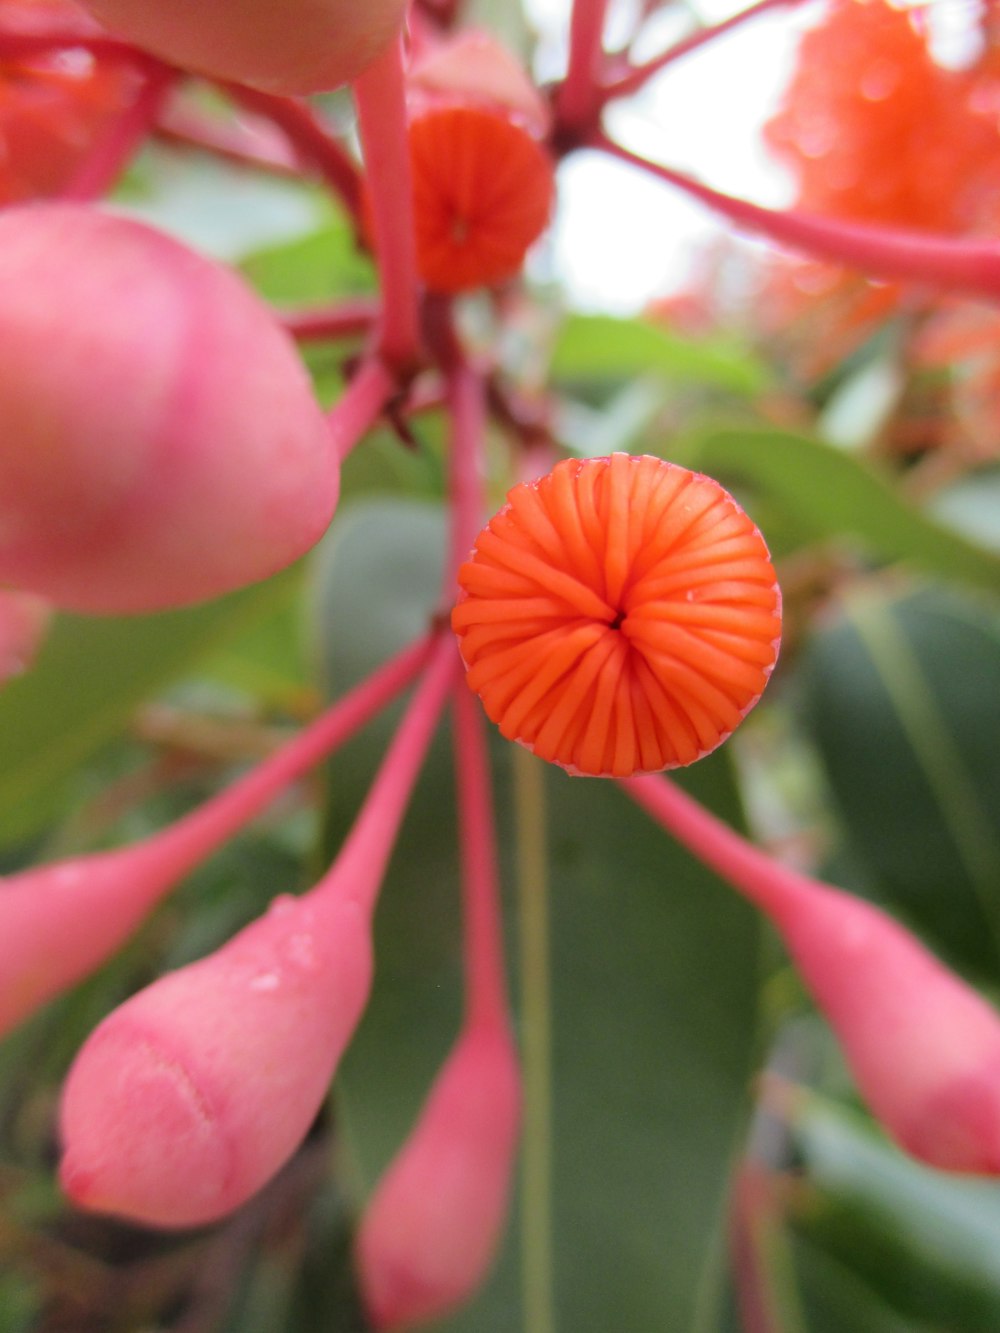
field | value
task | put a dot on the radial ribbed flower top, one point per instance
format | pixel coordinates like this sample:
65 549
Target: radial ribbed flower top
619 615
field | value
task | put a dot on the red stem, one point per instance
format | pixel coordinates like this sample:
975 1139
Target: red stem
116 147
967 266
486 1003
346 319
31 45
361 404
577 99
638 75
360 865
380 96
310 137
196 835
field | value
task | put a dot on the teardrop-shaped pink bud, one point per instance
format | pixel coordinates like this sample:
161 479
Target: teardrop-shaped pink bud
24 619
162 444
189 1096
923 1046
298 46
432 1227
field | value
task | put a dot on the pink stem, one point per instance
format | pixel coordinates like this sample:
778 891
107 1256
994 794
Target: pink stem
199 833
347 319
360 405
238 143
577 96
308 136
381 101
119 144
638 75
971 267
769 885
485 986
356 874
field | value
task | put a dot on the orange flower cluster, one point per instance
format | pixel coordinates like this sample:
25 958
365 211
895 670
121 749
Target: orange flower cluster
52 110
875 130
619 615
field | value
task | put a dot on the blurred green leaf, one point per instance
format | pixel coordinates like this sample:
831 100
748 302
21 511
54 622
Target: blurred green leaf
901 693
309 270
89 676
925 1241
602 347
654 977
831 494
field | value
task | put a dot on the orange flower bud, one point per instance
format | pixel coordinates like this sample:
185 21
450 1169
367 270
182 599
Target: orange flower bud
483 190
619 615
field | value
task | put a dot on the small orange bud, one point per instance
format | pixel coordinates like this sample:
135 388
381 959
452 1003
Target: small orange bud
619 615
483 189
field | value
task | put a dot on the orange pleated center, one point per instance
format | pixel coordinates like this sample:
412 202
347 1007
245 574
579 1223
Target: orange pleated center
482 190
619 615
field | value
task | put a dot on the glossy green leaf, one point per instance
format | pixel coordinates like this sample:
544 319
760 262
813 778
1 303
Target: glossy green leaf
603 347
653 976
831 494
902 697
89 676
926 1241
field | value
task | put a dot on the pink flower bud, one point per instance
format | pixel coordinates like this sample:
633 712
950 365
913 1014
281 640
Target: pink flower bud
298 46
24 619
188 1097
432 1227
162 441
924 1047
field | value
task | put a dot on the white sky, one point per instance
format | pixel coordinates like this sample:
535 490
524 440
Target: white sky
621 237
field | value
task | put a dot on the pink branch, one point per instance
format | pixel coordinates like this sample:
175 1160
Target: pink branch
310 137
115 149
346 319
638 75
970 267
259 147
485 986
381 101
577 99
359 407
356 874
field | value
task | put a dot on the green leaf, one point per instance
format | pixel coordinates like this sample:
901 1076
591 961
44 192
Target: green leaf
653 979
925 1241
89 676
603 347
901 695
831 494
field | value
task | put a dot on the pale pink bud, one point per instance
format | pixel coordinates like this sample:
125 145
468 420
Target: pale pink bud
24 619
297 46
924 1047
162 444
59 922
188 1097
432 1228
